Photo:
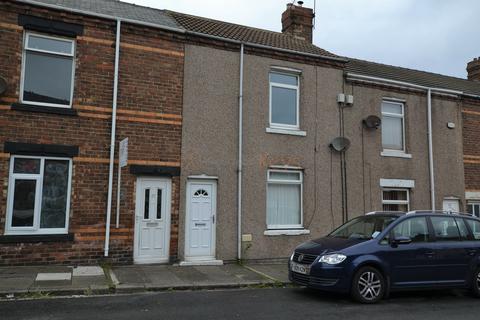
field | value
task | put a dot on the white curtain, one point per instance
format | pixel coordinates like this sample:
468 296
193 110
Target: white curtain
392 133
283 204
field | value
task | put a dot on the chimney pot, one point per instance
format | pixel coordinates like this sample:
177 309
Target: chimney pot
473 69
297 21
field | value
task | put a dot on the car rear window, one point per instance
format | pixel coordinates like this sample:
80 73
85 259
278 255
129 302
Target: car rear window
445 229
475 227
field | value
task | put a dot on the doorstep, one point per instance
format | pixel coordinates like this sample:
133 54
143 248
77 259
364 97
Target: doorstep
201 263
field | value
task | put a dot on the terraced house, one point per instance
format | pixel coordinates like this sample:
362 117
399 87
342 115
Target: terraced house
242 142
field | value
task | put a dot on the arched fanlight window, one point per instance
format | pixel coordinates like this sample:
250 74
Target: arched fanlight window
200 193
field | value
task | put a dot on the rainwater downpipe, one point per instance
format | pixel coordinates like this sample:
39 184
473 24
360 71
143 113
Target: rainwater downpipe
430 148
112 140
240 160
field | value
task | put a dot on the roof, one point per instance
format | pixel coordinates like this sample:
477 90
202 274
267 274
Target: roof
116 9
422 78
247 34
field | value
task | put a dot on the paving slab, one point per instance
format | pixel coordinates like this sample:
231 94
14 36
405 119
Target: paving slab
89 271
278 272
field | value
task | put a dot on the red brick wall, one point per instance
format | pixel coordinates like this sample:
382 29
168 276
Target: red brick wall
471 144
149 114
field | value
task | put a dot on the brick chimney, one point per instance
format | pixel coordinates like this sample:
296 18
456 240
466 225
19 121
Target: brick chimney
473 69
298 21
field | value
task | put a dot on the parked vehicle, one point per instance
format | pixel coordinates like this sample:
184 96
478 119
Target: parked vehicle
380 252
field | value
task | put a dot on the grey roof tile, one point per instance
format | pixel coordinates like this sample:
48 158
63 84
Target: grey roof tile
117 9
418 77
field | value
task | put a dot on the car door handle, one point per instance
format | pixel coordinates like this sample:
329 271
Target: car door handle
430 253
471 252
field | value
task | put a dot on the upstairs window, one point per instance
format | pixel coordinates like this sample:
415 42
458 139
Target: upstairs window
393 126
284 101
38 195
47 71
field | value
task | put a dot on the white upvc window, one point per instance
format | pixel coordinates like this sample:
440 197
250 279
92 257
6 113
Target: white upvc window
48 70
473 207
38 199
393 126
284 199
396 199
284 100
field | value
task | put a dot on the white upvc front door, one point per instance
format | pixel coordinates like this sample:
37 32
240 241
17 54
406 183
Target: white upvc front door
451 205
152 220
200 220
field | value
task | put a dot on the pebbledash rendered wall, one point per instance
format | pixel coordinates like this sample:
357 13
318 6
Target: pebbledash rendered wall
149 114
216 150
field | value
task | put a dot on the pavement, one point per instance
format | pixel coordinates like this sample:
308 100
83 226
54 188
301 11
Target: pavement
46 281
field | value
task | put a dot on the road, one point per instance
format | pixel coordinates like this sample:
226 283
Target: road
277 304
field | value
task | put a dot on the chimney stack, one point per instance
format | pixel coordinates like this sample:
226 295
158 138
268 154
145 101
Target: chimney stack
297 21
473 69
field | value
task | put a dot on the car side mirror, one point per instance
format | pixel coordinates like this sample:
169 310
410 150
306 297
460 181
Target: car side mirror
400 240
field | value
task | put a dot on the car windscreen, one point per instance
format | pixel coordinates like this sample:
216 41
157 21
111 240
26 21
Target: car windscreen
363 228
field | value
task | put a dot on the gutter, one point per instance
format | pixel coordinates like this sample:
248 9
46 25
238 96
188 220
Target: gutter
112 140
429 90
240 157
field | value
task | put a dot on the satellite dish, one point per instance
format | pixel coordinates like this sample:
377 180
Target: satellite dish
3 85
372 122
340 144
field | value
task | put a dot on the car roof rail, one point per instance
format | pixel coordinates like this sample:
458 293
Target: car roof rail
384 212
439 212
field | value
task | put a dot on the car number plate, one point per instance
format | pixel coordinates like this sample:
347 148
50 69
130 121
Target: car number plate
299 268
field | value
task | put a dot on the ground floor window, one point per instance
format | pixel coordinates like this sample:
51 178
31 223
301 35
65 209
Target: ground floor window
473 207
395 200
284 199
38 195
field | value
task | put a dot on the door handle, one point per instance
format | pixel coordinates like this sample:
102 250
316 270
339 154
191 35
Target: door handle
471 252
213 219
430 253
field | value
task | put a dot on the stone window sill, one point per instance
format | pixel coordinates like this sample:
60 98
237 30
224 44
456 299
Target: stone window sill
395 154
288 232
287 132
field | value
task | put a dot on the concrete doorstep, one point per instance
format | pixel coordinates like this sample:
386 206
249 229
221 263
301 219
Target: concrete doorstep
46 281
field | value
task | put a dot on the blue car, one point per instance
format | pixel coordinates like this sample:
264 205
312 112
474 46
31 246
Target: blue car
380 252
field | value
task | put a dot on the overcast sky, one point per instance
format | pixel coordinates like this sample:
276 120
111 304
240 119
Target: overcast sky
439 36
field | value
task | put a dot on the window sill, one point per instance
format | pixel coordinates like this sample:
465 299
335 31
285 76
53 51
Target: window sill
34 238
395 154
43 109
287 132
289 232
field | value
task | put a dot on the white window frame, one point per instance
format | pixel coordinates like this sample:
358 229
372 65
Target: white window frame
474 204
38 177
286 86
387 151
292 182
25 48
407 202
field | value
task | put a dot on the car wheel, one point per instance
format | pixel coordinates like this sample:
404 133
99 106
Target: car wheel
476 283
368 285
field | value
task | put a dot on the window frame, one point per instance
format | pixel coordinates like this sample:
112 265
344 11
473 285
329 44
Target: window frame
474 203
25 48
38 177
398 116
289 182
272 84
407 202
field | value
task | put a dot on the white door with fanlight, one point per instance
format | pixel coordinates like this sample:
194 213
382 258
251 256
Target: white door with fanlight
200 221
152 220
451 205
